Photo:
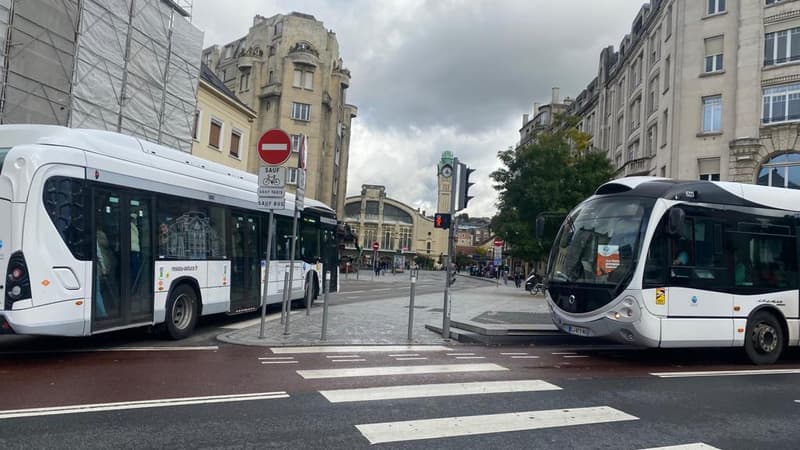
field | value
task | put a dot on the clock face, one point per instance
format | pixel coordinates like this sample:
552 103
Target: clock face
447 171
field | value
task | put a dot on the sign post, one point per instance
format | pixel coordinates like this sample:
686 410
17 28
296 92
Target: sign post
298 206
274 148
375 247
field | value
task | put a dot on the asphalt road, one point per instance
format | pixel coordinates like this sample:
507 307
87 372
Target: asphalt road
521 397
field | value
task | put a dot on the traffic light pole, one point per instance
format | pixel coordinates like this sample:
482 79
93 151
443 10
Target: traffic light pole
446 303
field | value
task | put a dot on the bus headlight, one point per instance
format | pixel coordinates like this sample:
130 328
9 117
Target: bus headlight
626 311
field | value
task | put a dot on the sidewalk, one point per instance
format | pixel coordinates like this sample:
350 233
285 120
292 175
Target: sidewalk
382 322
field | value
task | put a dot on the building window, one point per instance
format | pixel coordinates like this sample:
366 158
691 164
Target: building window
271 77
228 51
663 171
713 58
224 74
236 137
621 94
296 140
636 113
244 81
620 131
196 125
652 96
303 79
664 127
772 2
715 7
712 114
781 171
633 151
668 31
667 72
652 139
782 47
708 168
301 111
292 175
655 47
781 104
215 133
278 29
636 73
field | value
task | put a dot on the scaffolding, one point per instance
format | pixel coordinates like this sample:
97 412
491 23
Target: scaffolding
130 66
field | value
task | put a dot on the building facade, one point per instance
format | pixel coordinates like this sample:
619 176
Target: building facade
543 117
287 68
701 90
397 228
222 124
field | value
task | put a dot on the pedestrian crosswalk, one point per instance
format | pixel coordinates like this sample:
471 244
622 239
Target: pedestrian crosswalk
383 387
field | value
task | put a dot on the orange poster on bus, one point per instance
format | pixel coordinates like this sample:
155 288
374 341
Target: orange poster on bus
607 259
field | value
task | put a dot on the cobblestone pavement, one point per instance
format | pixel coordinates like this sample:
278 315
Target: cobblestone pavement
385 321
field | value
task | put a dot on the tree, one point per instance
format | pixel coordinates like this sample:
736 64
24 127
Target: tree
424 262
551 175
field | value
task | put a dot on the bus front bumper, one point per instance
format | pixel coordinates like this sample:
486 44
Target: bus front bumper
640 332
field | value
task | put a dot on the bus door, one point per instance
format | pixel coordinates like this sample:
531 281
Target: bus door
700 305
245 264
123 259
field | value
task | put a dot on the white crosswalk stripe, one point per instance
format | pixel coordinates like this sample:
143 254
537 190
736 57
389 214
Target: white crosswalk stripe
412 430
398 370
436 390
725 373
693 446
360 349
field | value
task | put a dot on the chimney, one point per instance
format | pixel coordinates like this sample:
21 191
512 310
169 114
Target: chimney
556 96
524 119
536 108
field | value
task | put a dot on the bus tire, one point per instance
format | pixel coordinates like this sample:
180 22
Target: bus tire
181 312
764 340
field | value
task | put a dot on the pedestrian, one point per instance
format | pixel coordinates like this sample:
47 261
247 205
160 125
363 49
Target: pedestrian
517 279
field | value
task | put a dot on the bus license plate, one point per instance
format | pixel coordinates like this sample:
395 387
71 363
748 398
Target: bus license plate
578 331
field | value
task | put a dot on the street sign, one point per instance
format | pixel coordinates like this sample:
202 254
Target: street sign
498 242
375 245
300 192
274 147
271 187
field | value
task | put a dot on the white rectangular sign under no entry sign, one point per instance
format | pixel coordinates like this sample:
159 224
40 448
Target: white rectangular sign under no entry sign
271 187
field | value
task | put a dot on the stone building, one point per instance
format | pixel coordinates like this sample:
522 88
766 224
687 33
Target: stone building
701 90
222 123
543 117
287 68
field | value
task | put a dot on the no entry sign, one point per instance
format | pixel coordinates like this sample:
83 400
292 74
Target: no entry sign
274 147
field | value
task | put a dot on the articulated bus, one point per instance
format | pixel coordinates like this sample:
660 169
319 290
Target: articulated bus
100 231
664 263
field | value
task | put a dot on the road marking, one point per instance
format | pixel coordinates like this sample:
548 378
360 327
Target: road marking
514 354
338 356
724 373
98 407
403 355
352 298
118 349
525 357
460 354
250 323
576 356
470 357
563 353
694 446
360 348
381 290
398 370
413 358
436 390
490 423
270 358
347 360
279 362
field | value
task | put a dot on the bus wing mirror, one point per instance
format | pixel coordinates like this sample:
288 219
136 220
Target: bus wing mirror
677 217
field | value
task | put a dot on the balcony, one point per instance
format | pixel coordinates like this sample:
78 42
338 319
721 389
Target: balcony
271 90
304 54
634 167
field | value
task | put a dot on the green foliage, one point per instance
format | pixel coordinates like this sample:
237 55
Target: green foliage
424 262
463 260
551 175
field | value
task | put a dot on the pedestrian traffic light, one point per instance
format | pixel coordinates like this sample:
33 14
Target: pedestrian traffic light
463 184
441 220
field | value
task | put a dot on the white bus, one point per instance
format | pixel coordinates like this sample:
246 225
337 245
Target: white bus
100 231
664 263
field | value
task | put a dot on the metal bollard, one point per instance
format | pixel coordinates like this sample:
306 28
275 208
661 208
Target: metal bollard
411 303
325 306
287 300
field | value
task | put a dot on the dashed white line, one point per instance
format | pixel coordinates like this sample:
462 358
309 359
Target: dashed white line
490 423
413 358
694 446
514 354
460 354
347 360
724 373
470 357
279 362
97 407
398 370
341 356
436 390
271 358
403 355
525 357
576 356
360 349
563 353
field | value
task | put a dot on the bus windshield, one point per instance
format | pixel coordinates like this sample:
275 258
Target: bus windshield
599 241
3 152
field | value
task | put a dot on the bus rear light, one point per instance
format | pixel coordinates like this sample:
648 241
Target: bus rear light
18 286
16 274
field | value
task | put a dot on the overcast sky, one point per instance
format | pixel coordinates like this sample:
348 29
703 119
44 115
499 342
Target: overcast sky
435 75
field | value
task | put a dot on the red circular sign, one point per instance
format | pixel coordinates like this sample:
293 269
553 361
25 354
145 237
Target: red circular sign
274 147
375 245
498 242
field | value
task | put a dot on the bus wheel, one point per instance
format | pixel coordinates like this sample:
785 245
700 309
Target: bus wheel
764 340
182 312
308 293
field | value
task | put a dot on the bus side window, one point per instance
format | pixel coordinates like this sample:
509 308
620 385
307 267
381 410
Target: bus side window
656 265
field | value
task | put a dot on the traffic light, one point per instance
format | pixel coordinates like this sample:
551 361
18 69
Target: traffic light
441 220
463 185
452 276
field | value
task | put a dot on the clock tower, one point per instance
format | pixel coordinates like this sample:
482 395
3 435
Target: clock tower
444 171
